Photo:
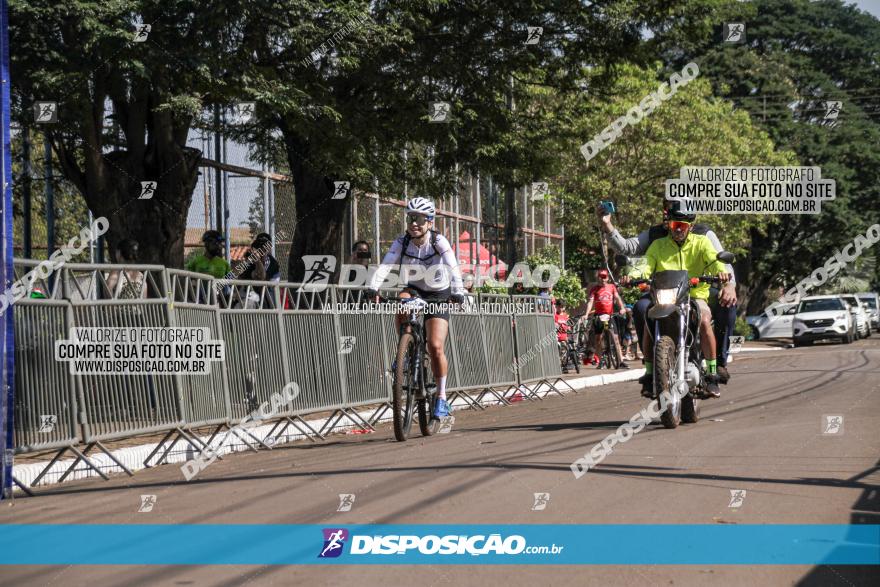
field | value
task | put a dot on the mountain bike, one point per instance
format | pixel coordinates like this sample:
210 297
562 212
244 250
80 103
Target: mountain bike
412 391
568 355
608 357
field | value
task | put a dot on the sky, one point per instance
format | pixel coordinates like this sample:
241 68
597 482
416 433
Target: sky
872 6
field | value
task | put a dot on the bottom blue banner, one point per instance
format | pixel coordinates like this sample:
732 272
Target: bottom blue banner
612 544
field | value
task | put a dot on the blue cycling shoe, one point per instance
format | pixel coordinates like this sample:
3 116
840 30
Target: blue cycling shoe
441 409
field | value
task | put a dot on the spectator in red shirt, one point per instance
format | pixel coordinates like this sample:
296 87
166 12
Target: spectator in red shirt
561 321
603 296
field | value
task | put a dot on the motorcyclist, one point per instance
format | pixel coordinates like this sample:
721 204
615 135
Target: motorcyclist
683 250
721 302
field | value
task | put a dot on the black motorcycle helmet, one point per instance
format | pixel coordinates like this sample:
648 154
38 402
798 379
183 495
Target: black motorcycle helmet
674 211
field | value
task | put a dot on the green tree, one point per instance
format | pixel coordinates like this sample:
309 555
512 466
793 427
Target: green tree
126 104
799 55
71 213
568 287
692 128
350 112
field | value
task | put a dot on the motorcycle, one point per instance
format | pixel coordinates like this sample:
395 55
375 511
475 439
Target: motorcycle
679 375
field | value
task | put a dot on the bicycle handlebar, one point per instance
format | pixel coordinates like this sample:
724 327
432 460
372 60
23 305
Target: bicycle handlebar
401 300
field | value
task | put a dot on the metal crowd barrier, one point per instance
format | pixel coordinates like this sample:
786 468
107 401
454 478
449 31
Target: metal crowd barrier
367 344
537 347
194 304
274 333
122 405
484 349
46 404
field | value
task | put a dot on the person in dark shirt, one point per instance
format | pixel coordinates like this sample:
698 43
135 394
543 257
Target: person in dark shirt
260 265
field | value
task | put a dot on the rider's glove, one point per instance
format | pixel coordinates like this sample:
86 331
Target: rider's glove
456 298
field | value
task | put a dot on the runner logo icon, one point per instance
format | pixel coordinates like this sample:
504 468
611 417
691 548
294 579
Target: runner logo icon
334 541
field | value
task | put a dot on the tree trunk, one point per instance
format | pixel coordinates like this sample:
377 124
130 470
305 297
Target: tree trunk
755 283
157 224
510 226
319 219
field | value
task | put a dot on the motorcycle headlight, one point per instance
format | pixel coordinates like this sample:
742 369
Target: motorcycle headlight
666 296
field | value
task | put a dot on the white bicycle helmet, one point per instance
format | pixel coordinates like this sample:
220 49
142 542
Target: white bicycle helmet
421 206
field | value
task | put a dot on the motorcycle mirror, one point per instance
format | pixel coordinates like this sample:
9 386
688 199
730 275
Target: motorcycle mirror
726 257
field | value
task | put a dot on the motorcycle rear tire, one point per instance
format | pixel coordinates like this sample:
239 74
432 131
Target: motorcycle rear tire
690 409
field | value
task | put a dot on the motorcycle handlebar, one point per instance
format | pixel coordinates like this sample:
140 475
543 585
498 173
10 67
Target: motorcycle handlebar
695 281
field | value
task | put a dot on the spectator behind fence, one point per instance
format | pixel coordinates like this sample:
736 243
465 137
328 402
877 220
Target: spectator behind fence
211 262
470 298
259 263
360 255
130 286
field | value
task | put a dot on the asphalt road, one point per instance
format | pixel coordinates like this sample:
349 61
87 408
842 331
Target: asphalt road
764 436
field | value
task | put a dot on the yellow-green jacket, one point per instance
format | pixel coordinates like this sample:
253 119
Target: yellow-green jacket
696 255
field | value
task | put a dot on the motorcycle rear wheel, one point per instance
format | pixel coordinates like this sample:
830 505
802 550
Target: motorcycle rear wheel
690 409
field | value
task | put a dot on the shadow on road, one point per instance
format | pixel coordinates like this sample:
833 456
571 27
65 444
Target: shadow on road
866 510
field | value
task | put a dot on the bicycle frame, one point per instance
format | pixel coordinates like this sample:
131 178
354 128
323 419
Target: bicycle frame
415 322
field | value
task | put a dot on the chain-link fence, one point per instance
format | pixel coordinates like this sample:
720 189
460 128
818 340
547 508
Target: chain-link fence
472 220
48 210
241 197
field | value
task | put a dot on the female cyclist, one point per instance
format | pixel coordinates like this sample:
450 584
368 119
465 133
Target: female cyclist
432 273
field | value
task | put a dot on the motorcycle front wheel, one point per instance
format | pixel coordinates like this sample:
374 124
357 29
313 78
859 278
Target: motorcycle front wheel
665 378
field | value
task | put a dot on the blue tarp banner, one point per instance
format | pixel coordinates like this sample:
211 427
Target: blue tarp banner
457 544
7 341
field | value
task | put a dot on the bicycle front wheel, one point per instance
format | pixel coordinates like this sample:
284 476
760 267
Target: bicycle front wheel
573 356
403 400
427 425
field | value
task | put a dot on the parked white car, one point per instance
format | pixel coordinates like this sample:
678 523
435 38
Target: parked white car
822 317
778 325
872 300
860 313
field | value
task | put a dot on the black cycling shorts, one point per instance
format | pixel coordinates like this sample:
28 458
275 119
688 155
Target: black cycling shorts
433 297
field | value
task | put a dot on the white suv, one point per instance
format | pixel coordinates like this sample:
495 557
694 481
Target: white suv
859 311
820 317
778 325
872 300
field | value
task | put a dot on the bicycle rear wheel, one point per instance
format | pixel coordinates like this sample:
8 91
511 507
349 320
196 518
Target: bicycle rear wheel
607 349
402 399
612 349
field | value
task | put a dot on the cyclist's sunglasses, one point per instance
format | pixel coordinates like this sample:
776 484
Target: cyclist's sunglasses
416 219
679 225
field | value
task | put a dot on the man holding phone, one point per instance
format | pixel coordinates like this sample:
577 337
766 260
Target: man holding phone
722 305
